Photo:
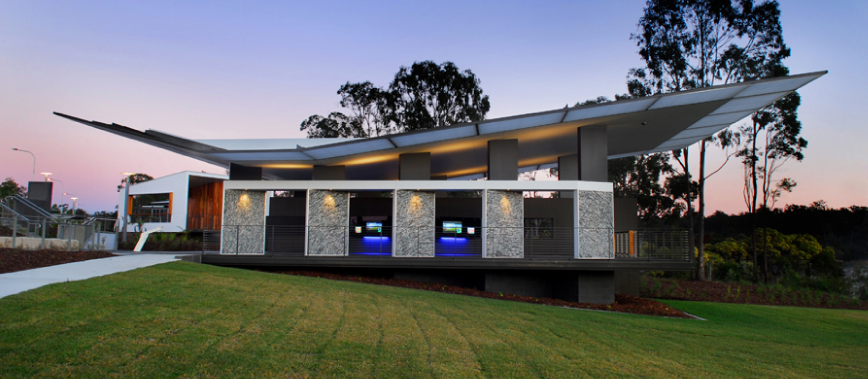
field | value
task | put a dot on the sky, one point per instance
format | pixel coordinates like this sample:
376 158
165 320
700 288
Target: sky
258 69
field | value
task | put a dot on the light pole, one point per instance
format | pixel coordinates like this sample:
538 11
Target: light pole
126 204
47 179
34 161
62 193
73 205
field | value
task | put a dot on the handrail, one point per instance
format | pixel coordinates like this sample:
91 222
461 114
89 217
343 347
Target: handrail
14 213
536 242
29 204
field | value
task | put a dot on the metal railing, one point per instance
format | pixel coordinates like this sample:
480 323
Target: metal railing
150 218
547 243
93 235
26 207
653 244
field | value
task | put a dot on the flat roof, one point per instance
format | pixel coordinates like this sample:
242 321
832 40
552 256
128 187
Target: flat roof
639 126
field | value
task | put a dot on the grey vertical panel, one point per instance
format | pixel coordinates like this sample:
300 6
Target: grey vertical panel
243 222
414 224
504 218
239 172
626 214
329 173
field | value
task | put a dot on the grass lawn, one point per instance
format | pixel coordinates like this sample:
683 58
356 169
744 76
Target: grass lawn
183 319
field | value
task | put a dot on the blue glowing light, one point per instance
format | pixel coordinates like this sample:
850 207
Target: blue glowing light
453 239
375 238
370 253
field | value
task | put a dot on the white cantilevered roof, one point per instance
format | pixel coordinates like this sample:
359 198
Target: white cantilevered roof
637 126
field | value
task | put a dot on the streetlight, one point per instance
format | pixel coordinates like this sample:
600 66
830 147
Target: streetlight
73 205
126 182
46 175
34 161
62 187
62 203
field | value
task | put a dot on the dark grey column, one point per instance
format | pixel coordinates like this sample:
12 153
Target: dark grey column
503 159
239 172
597 287
536 284
568 169
414 166
627 282
593 153
329 173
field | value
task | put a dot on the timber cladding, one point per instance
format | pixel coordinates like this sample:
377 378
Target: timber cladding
205 206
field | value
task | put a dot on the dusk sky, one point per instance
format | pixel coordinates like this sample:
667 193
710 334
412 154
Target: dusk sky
258 69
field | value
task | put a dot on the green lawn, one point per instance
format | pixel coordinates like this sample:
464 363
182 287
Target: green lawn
183 319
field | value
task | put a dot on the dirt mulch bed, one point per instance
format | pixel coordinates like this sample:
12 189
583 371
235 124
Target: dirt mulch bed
6 231
718 292
12 260
623 303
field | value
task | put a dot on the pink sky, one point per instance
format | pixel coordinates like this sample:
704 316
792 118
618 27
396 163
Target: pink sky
233 71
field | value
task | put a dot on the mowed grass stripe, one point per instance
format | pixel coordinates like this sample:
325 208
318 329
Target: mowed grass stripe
450 354
181 319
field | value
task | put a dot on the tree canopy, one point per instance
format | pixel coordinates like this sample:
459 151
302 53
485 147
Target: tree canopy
11 188
133 179
688 44
423 96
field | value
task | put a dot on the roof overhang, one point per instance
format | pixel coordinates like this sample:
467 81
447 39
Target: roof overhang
636 126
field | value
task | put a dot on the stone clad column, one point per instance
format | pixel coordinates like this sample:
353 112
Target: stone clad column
503 224
328 220
596 225
595 209
243 222
413 224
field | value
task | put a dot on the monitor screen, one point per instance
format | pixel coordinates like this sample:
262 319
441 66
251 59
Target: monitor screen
374 226
452 226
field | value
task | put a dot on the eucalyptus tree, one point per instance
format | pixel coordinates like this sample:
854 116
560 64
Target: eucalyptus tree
335 125
428 95
771 138
689 44
423 96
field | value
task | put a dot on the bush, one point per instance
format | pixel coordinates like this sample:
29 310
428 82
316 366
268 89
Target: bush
729 271
183 241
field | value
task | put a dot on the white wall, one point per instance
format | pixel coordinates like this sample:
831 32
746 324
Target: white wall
177 184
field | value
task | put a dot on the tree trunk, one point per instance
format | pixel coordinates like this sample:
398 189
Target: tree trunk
753 204
691 244
700 259
765 252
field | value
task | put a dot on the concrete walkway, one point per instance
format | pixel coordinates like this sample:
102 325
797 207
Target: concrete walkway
17 282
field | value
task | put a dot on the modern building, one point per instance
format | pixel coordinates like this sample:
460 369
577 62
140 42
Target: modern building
407 203
184 201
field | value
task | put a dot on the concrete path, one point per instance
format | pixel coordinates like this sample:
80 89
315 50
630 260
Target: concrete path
17 282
